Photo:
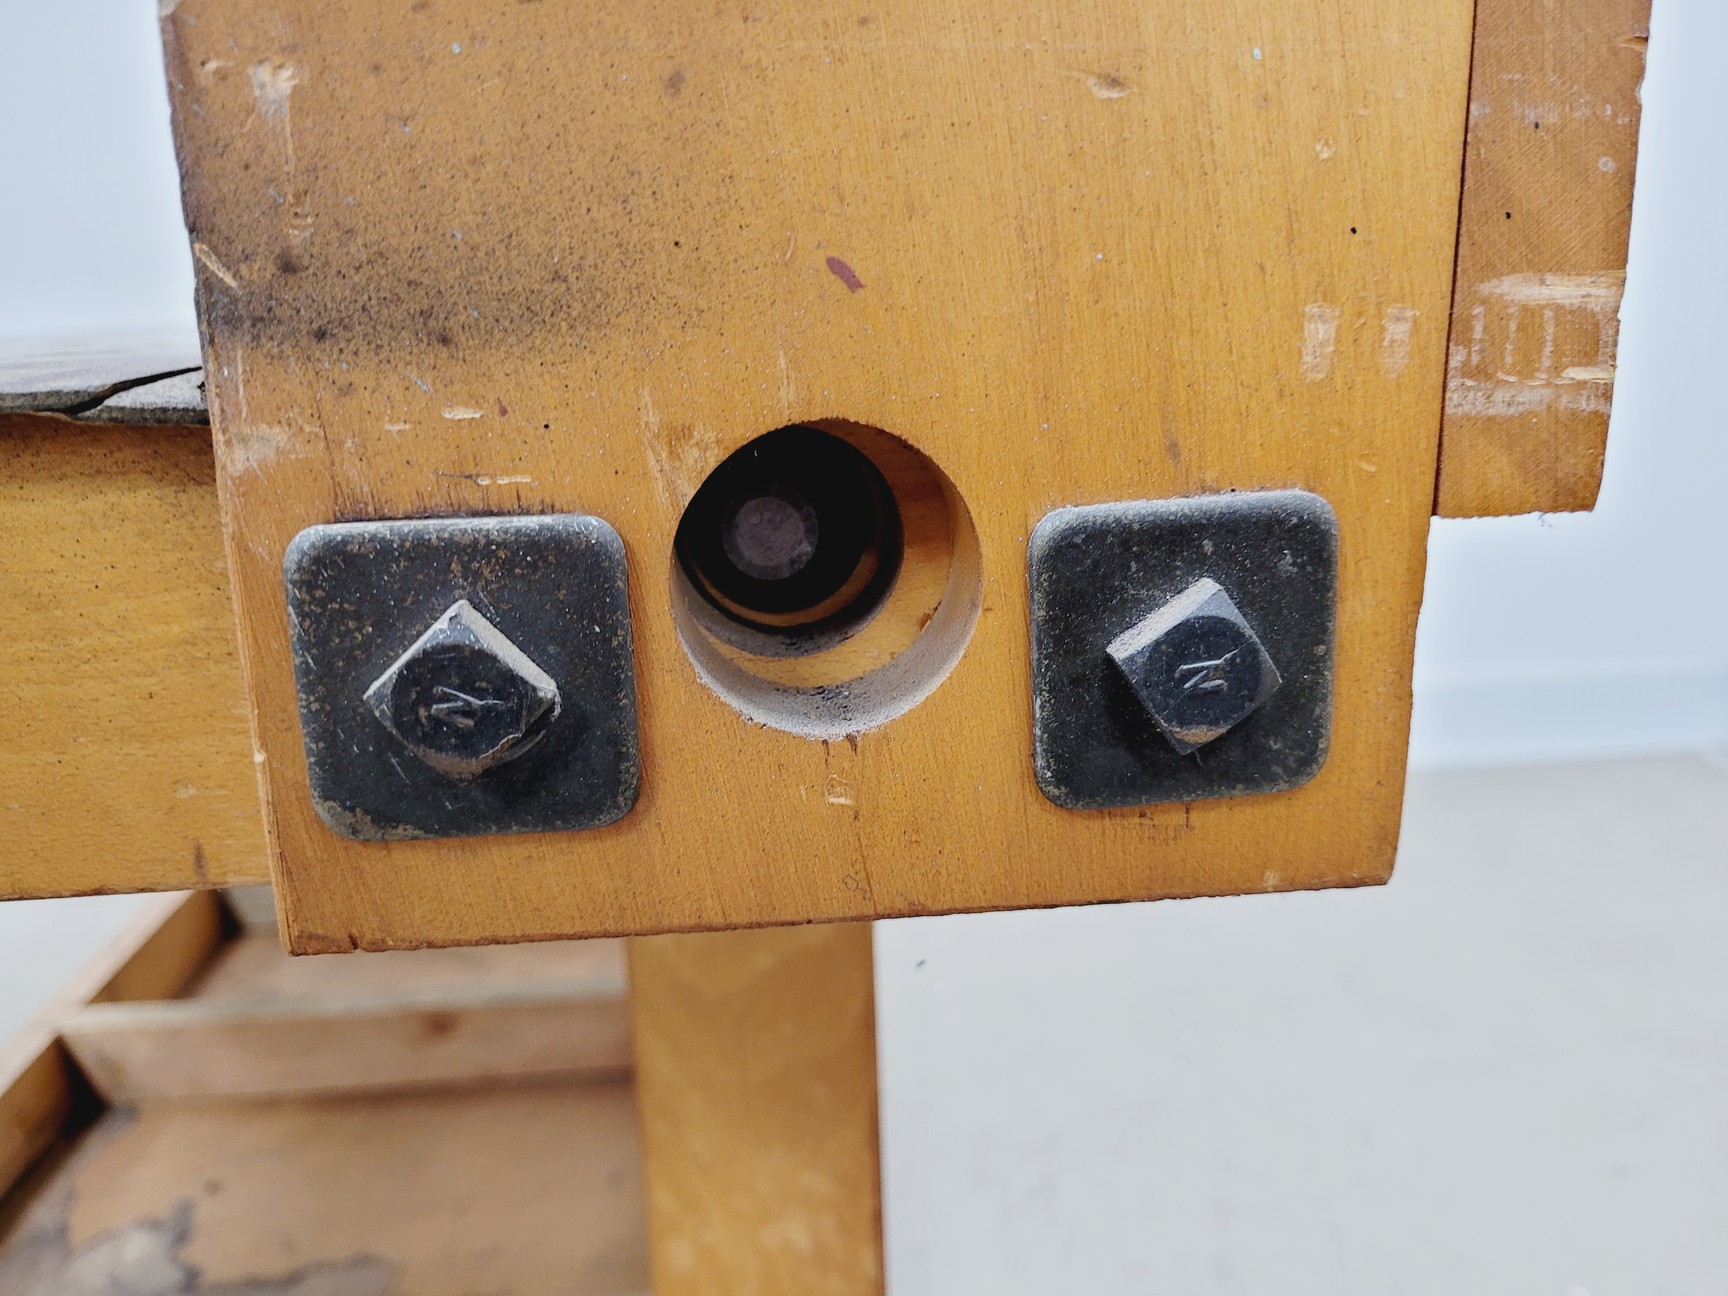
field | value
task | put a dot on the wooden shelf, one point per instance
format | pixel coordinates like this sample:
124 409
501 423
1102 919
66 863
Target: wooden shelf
216 1117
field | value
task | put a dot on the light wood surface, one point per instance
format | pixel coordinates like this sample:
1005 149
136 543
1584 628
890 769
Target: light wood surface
470 260
35 1099
127 765
1547 209
203 1050
534 1185
756 1079
262 1024
534 1190
252 970
134 713
160 953
152 957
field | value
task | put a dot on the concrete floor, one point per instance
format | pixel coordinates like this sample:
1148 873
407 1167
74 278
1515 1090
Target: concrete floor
1504 1075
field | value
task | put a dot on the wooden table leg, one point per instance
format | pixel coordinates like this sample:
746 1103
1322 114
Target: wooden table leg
756 1075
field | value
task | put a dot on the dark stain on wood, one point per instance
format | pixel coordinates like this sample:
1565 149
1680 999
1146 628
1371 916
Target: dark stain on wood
845 274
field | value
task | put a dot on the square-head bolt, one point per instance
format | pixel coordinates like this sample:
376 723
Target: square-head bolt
1196 665
1155 624
463 698
461 677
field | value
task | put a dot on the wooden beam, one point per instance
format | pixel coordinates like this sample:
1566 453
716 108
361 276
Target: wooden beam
756 1076
199 1048
127 764
1549 159
963 224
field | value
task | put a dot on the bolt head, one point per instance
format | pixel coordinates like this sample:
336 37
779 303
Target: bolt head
771 536
464 699
1196 666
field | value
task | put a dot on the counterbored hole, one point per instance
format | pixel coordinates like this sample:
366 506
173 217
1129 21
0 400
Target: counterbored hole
826 578
796 537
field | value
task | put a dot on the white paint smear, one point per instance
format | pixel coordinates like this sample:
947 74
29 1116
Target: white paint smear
1514 399
1319 340
273 80
1398 328
1587 291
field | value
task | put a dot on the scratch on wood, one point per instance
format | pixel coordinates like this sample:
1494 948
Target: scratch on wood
250 447
273 81
1538 342
788 387
1598 292
491 479
215 267
1103 85
678 457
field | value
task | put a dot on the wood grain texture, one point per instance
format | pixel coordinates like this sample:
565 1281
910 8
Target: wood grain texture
198 1050
756 1080
259 1023
252 969
462 259
1551 151
530 1190
127 764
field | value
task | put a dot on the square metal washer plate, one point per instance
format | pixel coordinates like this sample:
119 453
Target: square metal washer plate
361 593
1099 569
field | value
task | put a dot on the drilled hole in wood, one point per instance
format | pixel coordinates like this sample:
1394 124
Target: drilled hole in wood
826 578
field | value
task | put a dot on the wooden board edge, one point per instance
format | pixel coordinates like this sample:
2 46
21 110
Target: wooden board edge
37 1096
142 781
1544 227
41 1087
197 1050
158 955
757 1070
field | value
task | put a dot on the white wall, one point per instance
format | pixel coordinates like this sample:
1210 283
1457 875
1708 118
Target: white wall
90 231
1542 638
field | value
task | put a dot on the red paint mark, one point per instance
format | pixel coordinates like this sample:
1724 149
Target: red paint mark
845 274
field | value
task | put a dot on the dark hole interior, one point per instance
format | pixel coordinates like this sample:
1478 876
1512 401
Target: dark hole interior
796 534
